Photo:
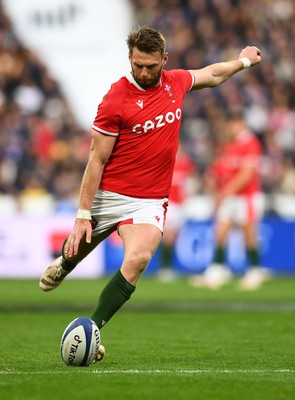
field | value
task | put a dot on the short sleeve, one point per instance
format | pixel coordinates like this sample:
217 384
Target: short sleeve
108 117
184 77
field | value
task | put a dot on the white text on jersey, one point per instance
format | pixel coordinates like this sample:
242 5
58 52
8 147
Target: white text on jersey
158 122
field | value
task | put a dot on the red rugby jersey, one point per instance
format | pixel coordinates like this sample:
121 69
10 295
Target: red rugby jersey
242 152
146 124
183 170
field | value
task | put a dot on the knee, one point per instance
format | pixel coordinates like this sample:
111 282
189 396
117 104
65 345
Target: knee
134 265
140 260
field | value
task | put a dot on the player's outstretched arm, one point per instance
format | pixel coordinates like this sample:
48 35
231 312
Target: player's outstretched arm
215 74
101 149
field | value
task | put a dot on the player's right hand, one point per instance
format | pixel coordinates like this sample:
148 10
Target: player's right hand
82 228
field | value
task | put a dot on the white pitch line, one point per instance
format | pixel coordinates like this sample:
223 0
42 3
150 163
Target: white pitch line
153 371
190 372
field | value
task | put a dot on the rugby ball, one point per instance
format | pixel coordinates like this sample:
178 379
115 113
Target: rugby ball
80 342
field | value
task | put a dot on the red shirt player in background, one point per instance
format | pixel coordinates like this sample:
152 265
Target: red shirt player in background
183 186
234 177
128 176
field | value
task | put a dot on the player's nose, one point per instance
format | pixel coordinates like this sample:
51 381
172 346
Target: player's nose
144 72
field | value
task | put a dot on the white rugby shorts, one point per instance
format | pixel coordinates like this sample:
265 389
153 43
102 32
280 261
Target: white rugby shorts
241 209
110 210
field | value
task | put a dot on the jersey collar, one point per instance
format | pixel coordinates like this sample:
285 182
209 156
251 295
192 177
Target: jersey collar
130 78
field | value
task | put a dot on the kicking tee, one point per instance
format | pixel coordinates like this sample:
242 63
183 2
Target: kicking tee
146 124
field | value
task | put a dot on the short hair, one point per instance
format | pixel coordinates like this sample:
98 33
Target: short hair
147 40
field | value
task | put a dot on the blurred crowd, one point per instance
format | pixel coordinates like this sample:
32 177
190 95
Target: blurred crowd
201 32
43 150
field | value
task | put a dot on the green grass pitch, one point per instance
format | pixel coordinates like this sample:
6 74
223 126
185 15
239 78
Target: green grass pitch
170 341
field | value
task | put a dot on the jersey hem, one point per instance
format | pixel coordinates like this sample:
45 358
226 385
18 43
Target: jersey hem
104 131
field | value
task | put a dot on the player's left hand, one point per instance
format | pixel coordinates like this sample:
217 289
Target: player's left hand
253 53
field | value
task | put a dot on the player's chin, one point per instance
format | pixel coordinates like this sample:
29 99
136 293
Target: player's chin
148 83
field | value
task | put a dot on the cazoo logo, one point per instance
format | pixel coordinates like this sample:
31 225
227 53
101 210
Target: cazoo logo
158 122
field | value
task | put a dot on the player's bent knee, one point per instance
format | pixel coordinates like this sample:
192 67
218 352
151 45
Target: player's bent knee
140 261
135 265
132 276
144 258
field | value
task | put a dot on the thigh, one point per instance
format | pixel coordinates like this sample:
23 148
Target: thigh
227 210
140 243
222 229
140 238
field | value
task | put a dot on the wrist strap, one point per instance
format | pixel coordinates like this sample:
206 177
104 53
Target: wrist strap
84 214
246 62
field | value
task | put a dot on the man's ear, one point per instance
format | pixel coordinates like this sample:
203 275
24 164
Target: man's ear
165 58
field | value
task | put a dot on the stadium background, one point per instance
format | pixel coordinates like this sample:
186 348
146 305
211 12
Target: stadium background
57 59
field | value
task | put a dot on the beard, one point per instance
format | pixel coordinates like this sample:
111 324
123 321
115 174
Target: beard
150 82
